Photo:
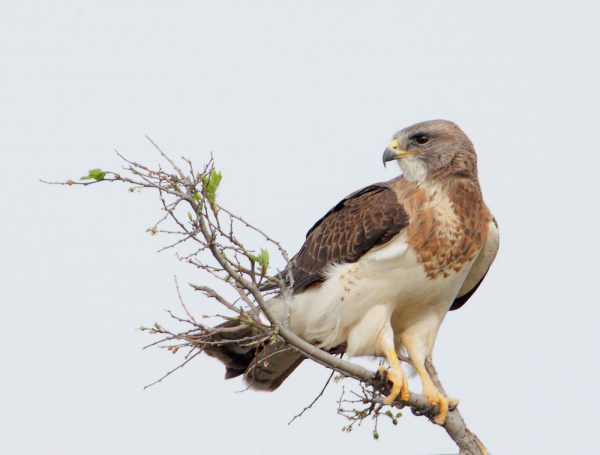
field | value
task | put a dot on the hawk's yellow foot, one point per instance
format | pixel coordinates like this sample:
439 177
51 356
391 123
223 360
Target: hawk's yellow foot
397 377
435 398
399 382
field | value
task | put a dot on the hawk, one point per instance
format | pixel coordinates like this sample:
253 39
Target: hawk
378 273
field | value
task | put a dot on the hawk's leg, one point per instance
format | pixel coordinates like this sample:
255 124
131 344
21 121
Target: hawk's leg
395 374
417 354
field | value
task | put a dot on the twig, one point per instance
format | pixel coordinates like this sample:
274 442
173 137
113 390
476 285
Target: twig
301 413
185 308
169 373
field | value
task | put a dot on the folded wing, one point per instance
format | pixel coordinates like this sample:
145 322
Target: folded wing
367 218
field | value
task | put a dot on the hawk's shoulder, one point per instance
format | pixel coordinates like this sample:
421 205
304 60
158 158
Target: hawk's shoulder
366 218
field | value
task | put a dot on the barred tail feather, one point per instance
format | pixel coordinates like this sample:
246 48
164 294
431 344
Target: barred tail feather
263 368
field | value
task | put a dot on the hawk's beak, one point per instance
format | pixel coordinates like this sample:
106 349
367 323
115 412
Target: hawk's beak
393 152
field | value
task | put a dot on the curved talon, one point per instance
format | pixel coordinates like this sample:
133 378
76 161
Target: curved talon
421 412
398 379
397 386
442 403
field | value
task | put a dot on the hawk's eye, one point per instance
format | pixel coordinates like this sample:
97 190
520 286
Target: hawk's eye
421 138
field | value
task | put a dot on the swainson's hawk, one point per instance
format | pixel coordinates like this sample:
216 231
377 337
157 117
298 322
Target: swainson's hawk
378 273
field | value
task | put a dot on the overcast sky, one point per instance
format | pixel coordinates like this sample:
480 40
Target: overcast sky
297 100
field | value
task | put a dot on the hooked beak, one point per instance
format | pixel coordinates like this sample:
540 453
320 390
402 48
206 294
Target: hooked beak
393 152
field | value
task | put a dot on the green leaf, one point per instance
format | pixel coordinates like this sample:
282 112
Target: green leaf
210 184
262 259
96 174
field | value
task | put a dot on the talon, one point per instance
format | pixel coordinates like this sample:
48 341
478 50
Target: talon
382 375
396 376
422 412
443 404
397 385
442 414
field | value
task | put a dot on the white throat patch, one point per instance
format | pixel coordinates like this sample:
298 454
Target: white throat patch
413 168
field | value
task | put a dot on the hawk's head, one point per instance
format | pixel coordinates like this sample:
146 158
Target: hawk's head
431 151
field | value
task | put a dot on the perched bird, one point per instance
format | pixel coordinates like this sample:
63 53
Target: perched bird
378 273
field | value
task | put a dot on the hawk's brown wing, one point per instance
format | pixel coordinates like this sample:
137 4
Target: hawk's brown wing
482 264
366 218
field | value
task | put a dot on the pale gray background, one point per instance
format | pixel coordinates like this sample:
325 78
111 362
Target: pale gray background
305 95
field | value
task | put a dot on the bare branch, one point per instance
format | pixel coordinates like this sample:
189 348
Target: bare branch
301 413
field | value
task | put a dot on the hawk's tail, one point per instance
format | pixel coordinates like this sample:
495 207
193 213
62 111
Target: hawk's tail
263 367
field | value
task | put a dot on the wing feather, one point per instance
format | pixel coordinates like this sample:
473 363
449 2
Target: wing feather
369 217
480 267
